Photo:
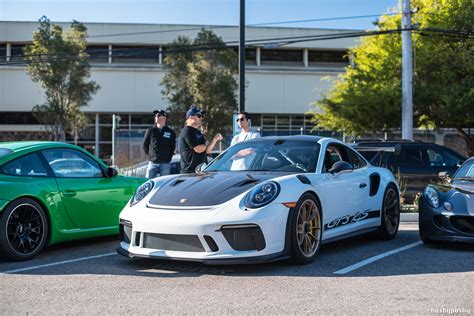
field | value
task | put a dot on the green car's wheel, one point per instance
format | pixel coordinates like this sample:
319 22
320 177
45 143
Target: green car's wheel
23 230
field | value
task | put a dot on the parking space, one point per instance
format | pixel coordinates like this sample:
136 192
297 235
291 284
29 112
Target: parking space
87 276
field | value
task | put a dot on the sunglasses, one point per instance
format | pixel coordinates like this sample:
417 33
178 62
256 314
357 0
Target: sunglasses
199 115
240 119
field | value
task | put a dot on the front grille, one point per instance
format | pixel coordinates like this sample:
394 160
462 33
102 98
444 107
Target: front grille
244 237
190 243
464 224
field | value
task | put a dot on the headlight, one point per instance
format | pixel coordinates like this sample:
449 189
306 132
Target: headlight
432 196
262 194
142 191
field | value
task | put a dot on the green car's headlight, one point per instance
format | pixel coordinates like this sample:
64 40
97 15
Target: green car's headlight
432 196
141 192
262 194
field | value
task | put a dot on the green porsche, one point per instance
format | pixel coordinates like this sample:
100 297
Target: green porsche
53 192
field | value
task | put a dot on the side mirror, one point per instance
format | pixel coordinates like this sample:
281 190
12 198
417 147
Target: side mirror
341 166
200 167
111 172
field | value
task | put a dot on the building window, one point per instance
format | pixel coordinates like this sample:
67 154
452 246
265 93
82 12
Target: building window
98 53
3 52
317 57
289 57
17 52
135 54
17 118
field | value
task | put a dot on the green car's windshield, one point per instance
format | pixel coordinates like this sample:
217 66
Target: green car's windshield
465 172
268 155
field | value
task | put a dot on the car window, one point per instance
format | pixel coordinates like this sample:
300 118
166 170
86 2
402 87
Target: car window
409 157
439 157
356 160
335 153
29 165
70 163
5 151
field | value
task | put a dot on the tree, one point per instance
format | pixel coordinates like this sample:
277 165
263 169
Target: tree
58 61
201 73
367 97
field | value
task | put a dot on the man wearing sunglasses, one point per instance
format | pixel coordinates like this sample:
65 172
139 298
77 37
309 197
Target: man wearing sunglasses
159 144
243 158
246 133
193 146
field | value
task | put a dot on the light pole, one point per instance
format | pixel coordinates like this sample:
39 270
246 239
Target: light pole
407 73
242 57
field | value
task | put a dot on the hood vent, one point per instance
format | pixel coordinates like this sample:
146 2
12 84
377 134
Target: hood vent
178 181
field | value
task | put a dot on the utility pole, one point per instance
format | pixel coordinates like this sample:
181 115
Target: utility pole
407 73
242 57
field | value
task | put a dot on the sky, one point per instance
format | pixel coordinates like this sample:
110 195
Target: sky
208 12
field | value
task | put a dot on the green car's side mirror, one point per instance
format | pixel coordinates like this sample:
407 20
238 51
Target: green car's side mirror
111 172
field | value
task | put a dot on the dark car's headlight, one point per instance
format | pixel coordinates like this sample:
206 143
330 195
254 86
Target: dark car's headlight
262 194
432 196
141 192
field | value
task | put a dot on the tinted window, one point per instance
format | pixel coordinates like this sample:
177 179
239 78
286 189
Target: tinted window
409 157
356 160
466 171
439 157
28 165
71 163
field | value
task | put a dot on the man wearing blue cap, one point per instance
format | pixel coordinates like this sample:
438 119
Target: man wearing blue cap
193 146
159 144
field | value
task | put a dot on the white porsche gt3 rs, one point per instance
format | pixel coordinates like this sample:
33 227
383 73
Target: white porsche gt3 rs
261 200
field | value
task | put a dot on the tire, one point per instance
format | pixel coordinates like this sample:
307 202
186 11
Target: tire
305 230
390 213
23 230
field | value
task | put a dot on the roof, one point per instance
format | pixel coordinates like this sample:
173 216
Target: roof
16 146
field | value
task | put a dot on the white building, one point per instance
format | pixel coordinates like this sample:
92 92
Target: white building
282 81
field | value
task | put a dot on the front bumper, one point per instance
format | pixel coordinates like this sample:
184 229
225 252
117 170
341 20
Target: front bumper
222 235
440 224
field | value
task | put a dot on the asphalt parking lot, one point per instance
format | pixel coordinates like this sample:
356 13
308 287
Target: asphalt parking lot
357 276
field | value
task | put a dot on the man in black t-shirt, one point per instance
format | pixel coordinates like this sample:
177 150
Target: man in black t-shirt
159 144
193 146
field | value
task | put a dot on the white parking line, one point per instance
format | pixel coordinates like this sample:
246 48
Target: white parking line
377 257
57 263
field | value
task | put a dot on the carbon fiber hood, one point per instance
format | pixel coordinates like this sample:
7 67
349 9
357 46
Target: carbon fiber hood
208 189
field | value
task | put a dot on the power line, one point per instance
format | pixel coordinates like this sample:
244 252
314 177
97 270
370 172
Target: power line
256 42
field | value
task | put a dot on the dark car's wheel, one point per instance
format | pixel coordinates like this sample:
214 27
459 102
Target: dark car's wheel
305 229
23 230
390 213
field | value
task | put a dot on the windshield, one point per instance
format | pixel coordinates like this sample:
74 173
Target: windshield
280 155
466 171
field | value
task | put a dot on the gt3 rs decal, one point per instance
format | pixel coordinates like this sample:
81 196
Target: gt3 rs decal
349 219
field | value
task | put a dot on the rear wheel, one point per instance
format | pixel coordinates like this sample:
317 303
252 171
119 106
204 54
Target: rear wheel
390 213
23 230
305 230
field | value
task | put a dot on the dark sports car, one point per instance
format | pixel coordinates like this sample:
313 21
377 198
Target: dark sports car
447 210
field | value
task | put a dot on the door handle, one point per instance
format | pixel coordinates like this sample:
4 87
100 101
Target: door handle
69 193
362 185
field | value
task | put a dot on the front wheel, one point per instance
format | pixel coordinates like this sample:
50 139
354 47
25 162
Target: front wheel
23 230
390 213
306 230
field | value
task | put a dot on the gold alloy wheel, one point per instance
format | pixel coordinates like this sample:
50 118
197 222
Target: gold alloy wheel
308 228
391 211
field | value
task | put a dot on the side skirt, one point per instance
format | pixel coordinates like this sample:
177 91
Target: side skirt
349 235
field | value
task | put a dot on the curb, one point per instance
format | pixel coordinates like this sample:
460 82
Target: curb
409 217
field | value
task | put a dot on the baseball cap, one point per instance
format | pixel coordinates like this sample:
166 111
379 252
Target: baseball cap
193 111
161 112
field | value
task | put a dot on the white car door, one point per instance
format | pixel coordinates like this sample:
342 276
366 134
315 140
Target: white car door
343 195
